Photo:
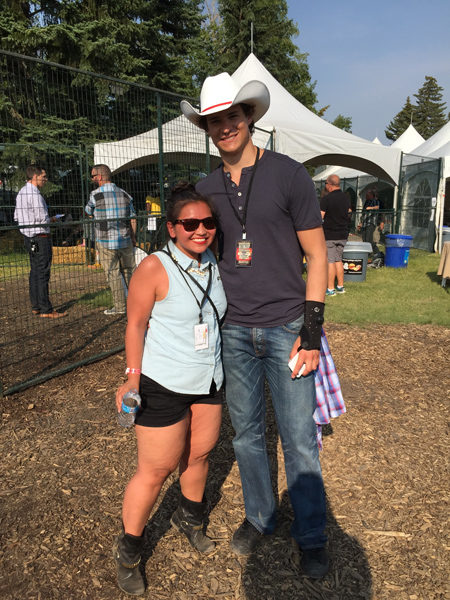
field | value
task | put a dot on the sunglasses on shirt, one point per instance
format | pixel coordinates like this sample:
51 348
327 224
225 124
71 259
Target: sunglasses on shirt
194 224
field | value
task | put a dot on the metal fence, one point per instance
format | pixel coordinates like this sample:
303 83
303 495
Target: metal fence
418 192
416 207
55 116
33 349
66 120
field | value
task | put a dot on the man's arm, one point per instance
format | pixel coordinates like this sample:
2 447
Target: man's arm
90 206
313 243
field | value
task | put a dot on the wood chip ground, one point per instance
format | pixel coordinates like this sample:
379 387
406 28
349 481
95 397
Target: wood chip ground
386 467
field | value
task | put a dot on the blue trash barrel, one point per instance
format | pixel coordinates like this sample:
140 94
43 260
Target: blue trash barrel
397 251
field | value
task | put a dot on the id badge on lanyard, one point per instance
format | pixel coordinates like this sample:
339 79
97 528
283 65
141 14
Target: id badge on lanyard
201 336
244 253
244 246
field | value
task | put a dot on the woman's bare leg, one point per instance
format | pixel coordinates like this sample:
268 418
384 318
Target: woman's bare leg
159 453
202 437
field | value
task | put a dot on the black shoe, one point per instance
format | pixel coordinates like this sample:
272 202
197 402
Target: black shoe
315 562
188 519
245 539
127 555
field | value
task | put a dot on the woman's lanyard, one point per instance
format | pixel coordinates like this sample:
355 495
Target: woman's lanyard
201 329
244 247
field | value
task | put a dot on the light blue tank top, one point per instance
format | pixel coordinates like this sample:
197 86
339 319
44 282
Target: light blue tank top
169 356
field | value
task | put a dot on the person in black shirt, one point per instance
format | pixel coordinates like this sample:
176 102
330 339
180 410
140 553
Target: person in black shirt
335 208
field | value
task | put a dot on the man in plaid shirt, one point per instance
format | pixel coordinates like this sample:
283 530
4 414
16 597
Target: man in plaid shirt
114 233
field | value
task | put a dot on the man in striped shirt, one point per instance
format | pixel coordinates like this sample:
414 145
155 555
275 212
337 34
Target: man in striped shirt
112 208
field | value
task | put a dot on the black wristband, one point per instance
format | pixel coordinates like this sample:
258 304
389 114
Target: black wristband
311 331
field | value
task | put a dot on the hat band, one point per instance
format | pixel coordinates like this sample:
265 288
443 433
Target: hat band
216 105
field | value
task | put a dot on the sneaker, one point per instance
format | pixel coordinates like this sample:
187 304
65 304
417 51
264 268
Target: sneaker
330 293
114 311
245 539
340 290
315 562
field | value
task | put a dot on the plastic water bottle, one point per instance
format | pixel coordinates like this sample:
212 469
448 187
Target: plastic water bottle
130 405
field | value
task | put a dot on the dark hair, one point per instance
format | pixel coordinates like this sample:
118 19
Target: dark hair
104 171
33 170
182 194
248 112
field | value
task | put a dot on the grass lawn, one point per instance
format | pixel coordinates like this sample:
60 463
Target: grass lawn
411 295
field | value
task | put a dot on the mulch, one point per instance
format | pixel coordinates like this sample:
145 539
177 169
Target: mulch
65 464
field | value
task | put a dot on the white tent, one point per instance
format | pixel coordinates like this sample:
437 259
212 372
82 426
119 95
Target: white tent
438 146
297 132
301 134
407 142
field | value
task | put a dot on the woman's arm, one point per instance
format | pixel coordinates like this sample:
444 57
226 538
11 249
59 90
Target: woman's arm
148 285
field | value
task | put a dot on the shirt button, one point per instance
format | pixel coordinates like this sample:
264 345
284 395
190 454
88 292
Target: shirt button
239 193
240 207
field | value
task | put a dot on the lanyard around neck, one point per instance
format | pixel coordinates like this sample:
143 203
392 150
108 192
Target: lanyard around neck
184 272
243 220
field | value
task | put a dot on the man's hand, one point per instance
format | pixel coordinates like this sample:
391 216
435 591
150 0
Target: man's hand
310 358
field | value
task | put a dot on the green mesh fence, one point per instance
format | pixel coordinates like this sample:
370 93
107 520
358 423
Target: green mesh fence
66 120
34 348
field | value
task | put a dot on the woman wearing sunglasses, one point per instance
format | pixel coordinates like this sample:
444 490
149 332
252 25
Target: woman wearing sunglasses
173 350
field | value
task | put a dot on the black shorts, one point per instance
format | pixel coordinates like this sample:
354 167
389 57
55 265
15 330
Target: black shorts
161 407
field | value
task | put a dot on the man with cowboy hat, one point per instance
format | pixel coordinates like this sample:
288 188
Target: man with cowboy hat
269 220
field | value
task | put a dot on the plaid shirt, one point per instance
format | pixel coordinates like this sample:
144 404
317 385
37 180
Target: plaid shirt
329 400
112 203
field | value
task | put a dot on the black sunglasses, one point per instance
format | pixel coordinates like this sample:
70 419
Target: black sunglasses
194 224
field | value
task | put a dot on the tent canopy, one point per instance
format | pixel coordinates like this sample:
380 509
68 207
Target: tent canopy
409 140
310 139
298 133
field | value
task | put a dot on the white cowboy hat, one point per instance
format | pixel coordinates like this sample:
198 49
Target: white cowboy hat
221 92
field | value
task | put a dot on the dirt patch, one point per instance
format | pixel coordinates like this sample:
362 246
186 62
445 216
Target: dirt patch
65 464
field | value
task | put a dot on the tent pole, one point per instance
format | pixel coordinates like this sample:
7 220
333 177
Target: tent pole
160 152
398 191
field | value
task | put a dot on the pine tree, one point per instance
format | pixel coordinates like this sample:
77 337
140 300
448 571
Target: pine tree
344 123
145 41
401 122
430 110
272 40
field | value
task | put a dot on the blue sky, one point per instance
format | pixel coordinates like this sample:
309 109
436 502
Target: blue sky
367 56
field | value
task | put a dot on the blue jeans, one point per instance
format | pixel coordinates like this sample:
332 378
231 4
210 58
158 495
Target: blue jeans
250 356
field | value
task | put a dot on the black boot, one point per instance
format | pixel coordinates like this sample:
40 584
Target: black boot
127 554
188 519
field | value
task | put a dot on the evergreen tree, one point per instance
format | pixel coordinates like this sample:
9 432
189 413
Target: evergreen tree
401 122
344 123
430 110
272 40
145 41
